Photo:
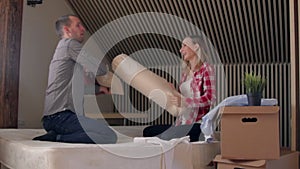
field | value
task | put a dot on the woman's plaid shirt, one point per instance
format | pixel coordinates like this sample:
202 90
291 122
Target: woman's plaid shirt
204 93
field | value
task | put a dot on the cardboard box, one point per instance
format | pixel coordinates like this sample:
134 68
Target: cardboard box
204 154
287 160
250 132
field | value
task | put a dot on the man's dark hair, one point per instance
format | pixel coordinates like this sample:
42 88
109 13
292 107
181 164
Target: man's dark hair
61 22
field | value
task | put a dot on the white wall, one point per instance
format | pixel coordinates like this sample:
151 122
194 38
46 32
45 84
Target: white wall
37 46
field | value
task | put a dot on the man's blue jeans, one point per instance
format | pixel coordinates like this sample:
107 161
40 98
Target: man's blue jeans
71 128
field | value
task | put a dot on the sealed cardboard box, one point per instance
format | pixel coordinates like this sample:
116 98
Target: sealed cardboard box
287 160
250 132
204 154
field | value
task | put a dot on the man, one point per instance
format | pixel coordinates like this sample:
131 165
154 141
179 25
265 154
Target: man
63 113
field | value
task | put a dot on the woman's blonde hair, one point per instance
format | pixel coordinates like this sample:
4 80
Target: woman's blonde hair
201 52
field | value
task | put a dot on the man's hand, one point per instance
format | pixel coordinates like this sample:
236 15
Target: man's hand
104 90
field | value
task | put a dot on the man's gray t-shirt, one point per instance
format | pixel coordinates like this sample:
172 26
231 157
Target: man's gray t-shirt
65 89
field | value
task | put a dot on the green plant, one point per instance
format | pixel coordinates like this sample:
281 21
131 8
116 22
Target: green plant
254 83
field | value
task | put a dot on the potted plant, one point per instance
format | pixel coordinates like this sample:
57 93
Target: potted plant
254 85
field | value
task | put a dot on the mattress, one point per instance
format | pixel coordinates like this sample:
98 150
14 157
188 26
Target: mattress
18 151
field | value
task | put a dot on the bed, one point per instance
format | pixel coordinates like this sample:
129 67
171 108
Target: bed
18 151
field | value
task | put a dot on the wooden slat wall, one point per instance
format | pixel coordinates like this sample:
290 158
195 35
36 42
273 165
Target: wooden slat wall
10 44
242 31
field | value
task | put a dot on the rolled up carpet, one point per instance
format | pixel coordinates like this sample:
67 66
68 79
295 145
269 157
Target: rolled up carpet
145 81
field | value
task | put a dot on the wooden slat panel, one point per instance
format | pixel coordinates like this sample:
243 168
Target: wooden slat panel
238 32
242 31
265 29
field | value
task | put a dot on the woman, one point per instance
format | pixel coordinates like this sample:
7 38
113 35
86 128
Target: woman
197 87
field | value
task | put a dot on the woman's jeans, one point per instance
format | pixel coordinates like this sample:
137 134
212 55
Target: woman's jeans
168 132
71 128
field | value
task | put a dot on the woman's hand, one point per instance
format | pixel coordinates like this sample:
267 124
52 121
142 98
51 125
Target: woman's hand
171 85
176 100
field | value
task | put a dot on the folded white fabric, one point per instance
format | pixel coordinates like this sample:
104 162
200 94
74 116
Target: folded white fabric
169 153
